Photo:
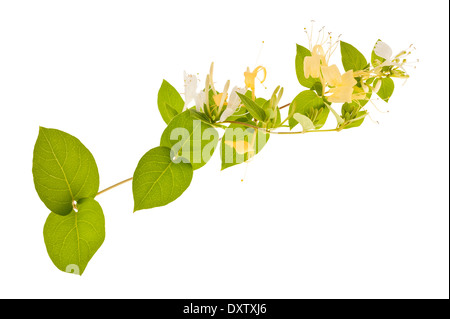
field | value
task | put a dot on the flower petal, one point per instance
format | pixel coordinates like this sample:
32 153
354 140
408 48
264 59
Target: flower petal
347 79
200 101
331 75
311 66
383 50
341 94
190 87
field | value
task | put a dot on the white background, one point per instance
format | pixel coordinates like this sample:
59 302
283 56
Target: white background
357 214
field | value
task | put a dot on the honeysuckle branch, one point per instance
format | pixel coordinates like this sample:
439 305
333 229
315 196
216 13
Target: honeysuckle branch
324 84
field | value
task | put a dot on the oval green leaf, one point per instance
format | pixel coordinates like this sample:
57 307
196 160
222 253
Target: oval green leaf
158 181
307 103
352 59
72 240
190 138
170 102
63 170
386 89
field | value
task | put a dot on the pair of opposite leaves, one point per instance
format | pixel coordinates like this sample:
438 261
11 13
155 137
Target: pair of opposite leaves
66 179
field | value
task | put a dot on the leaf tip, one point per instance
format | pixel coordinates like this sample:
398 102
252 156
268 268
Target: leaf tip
42 129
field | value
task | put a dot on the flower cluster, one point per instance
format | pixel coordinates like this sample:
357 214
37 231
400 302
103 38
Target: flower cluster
218 105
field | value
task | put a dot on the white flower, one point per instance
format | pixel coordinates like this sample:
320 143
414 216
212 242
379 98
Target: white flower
383 50
342 85
397 61
190 88
233 103
200 100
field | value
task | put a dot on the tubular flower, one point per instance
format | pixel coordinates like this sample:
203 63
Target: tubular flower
221 98
233 103
342 85
190 88
251 76
312 64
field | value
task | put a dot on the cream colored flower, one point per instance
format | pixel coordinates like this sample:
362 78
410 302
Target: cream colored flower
312 64
341 90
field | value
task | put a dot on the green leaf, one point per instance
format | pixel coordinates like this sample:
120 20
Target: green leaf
304 121
359 90
158 181
190 139
63 170
170 102
72 240
318 88
242 114
260 101
303 52
375 59
386 89
352 59
351 112
241 135
200 116
309 104
254 109
360 117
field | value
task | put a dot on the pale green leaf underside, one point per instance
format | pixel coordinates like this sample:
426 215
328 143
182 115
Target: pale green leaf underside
190 138
72 240
158 181
304 121
63 170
